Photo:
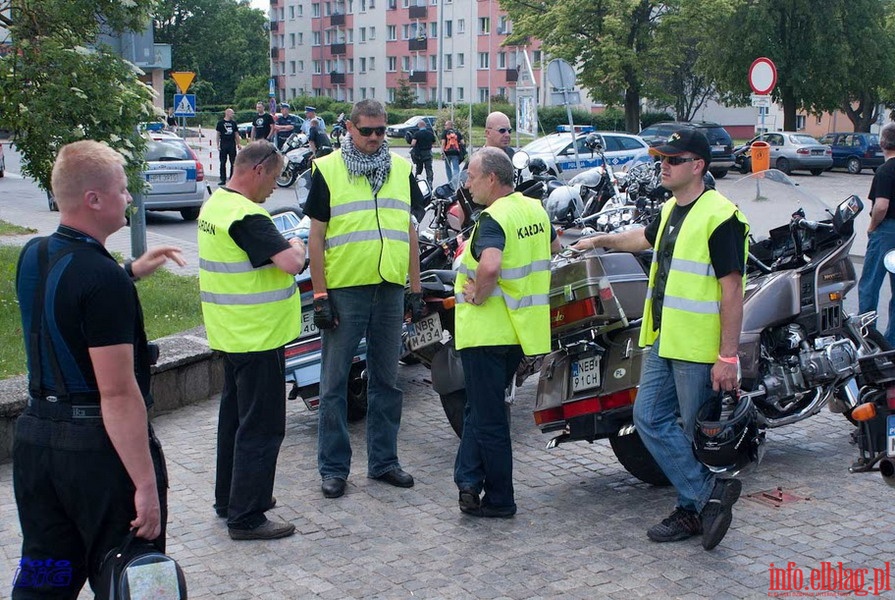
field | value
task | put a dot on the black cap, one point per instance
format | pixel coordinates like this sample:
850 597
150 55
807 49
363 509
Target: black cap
688 139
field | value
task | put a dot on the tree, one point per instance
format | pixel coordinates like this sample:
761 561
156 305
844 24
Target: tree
57 85
405 96
222 41
250 90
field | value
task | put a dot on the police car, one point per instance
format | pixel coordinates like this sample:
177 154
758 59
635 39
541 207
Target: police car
557 152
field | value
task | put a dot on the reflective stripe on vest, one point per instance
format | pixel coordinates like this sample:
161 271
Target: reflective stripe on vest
691 305
246 309
367 238
518 310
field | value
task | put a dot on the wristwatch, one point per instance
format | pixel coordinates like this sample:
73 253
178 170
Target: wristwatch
129 269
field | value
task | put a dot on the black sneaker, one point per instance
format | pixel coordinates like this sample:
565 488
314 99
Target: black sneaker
679 525
718 513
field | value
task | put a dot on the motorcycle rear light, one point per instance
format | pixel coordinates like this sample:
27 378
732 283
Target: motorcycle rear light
864 412
619 399
589 406
303 348
549 415
890 397
573 312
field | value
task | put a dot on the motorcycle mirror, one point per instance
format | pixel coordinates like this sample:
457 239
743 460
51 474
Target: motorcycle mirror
889 261
425 188
520 159
847 210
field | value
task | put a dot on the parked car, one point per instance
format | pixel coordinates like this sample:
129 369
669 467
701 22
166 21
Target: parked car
790 151
408 126
2 162
175 177
855 150
557 152
720 140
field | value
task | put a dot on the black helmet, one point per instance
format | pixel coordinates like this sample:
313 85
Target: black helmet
727 436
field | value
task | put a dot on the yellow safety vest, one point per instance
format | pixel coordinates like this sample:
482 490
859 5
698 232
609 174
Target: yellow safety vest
367 237
518 311
691 308
246 309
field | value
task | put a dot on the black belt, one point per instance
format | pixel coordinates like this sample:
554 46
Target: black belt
50 407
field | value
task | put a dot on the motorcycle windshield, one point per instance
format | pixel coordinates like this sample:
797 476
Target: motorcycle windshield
769 199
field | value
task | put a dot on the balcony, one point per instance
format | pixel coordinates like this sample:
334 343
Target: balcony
419 76
337 20
338 48
512 75
417 44
275 53
336 78
419 12
274 26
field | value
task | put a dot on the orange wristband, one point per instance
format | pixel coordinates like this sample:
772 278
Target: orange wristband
320 295
731 360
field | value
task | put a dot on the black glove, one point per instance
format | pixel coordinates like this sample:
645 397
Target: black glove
414 304
325 315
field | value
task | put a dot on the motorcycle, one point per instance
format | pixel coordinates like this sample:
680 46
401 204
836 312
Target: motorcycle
338 131
298 159
799 349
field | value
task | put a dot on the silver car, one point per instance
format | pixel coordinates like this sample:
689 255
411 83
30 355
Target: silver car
790 151
557 152
175 177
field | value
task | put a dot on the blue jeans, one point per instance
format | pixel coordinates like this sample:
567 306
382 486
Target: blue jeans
672 389
485 457
879 242
376 311
451 166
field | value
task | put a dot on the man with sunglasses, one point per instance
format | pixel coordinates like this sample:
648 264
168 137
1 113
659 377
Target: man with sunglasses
497 132
692 319
252 310
362 246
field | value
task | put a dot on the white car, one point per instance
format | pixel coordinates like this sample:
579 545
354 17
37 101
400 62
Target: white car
556 151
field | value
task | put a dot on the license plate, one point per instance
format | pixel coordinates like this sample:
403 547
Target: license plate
890 426
424 333
586 373
163 177
307 324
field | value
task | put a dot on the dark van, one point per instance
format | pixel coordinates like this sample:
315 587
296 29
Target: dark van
722 144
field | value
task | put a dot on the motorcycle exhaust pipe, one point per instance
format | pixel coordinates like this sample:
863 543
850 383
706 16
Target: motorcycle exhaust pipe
887 470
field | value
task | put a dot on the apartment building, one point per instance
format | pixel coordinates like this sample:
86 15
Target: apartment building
453 51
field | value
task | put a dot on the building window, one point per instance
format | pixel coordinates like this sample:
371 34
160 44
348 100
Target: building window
502 91
460 60
504 25
315 10
363 5
392 64
391 33
291 12
483 95
329 66
372 63
372 92
448 28
433 30
363 93
327 9
405 63
800 122
350 65
301 10
350 95
317 69
501 60
392 4
390 93
484 61
405 31
363 34
433 62
292 40
372 33
484 25
293 92
461 26
433 93
447 94
316 41
301 66
350 36
536 56
301 39
459 94
447 61
292 67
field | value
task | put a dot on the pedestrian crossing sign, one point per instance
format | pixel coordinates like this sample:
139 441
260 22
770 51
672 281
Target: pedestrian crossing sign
184 105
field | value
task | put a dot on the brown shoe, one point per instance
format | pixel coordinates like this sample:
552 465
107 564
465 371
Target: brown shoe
269 530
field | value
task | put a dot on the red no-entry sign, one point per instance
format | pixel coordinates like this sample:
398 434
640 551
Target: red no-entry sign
762 75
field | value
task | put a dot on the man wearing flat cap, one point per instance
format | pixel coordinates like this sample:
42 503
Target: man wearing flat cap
691 319
311 113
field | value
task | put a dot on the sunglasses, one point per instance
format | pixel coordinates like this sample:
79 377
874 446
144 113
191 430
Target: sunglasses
502 130
273 151
678 160
368 131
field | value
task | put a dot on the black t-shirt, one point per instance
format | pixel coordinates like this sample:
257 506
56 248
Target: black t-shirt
263 124
259 238
172 121
319 137
283 120
883 186
95 304
725 244
424 140
444 137
317 205
490 234
228 130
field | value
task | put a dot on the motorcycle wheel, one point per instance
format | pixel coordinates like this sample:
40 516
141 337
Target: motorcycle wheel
287 177
880 344
637 460
357 394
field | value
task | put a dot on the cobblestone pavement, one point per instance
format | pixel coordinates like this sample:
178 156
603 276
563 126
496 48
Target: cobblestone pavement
579 533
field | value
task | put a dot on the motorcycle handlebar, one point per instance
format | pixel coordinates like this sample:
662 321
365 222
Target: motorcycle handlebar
813 225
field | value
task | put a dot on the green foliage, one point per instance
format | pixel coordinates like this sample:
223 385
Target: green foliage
54 89
250 90
405 96
170 305
222 41
649 118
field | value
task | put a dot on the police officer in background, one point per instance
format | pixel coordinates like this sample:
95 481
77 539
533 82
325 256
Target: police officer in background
503 312
252 309
86 465
286 124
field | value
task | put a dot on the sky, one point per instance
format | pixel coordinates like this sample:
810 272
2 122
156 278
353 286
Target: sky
262 4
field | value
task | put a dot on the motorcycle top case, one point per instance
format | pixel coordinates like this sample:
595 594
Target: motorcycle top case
612 280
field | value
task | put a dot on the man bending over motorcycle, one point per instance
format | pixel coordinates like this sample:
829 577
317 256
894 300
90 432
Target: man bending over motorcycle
692 319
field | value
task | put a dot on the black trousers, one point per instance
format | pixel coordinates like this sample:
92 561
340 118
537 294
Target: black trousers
251 428
75 502
226 152
424 163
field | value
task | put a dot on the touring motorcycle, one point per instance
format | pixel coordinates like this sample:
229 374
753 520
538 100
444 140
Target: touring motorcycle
799 349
